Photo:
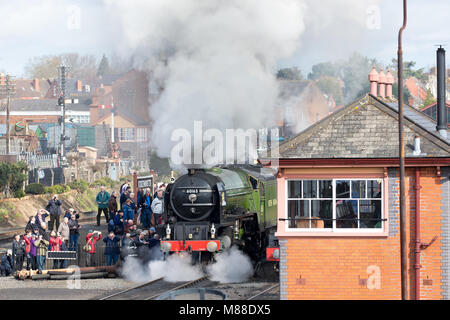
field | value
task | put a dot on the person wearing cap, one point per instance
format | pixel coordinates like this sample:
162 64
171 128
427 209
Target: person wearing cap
91 239
102 202
6 265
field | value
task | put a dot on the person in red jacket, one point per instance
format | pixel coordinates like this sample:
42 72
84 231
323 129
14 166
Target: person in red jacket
27 239
55 245
91 246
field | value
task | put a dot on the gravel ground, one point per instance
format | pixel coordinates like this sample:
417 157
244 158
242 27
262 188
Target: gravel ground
12 289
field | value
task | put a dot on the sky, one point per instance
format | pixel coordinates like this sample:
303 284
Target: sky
44 27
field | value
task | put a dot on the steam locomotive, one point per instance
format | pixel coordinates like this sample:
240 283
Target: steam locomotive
209 210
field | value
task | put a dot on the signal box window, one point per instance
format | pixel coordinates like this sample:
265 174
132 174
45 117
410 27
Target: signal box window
335 205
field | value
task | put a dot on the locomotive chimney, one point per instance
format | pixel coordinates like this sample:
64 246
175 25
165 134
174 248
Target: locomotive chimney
441 107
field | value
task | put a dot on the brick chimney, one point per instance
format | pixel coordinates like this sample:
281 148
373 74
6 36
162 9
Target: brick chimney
373 79
389 83
79 87
36 84
381 84
2 79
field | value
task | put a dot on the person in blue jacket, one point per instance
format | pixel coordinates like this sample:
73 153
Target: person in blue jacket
128 211
146 215
112 249
119 225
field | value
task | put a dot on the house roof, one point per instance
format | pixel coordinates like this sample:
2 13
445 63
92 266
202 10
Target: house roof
135 119
25 88
45 105
367 128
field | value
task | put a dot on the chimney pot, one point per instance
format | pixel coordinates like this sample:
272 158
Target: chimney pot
79 86
382 84
36 84
389 83
373 79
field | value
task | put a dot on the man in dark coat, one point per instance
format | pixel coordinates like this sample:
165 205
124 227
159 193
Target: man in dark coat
6 266
112 249
112 205
54 208
102 202
18 252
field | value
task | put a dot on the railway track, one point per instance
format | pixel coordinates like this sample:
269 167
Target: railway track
264 292
154 288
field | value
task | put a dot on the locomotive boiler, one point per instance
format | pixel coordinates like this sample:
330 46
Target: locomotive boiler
209 210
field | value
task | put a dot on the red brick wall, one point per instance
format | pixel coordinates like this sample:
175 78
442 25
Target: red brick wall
337 267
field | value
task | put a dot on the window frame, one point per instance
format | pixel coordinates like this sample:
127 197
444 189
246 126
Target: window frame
127 140
334 229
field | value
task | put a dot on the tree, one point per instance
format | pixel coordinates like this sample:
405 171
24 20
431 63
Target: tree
331 87
292 73
428 100
81 67
160 165
323 69
408 70
103 67
12 177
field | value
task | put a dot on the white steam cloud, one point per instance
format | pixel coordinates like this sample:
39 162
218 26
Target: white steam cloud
229 267
215 61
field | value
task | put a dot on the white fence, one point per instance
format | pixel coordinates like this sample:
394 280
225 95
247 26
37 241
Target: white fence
33 160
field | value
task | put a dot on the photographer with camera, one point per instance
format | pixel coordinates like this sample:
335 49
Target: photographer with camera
64 230
55 245
74 232
41 251
54 208
91 246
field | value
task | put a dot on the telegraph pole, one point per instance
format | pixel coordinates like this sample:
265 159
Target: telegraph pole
62 103
8 90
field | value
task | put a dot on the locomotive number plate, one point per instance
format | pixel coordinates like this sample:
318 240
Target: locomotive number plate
191 190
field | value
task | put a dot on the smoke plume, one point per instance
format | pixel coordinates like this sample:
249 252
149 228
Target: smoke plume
210 61
231 266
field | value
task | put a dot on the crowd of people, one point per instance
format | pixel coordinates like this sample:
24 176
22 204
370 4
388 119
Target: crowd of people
131 231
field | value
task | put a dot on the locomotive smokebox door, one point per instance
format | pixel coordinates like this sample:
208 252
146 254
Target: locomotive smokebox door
194 197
